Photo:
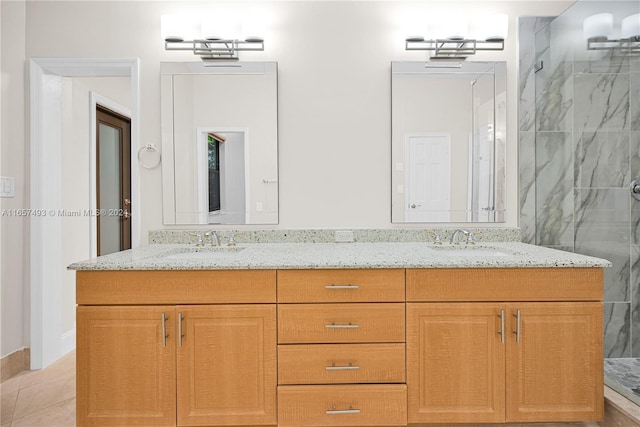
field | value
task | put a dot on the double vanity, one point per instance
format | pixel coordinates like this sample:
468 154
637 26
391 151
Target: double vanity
339 334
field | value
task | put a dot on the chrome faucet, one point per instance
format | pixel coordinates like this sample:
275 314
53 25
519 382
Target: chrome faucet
454 236
214 238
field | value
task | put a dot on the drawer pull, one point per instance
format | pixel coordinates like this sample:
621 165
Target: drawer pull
335 411
342 287
341 326
342 368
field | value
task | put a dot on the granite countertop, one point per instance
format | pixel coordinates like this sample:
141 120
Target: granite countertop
337 255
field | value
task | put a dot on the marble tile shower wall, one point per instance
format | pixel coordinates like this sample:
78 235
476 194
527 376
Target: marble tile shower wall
579 143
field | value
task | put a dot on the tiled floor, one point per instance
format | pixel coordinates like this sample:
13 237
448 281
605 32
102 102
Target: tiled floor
48 398
41 398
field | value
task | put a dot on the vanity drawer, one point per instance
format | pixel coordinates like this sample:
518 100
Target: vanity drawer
504 284
340 323
146 287
373 285
342 405
341 363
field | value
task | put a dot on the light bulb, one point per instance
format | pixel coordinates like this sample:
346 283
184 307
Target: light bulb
598 27
451 27
631 27
170 28
177 28
220 26
253 29
492 28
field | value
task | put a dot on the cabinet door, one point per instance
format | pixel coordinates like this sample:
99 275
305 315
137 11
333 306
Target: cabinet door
125 366
455 363
227 365
555 371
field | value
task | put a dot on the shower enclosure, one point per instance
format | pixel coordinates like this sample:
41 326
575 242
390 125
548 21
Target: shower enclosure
579 150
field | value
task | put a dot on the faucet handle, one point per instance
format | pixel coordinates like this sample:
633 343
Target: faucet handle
200 241
437 239
470 240
232 240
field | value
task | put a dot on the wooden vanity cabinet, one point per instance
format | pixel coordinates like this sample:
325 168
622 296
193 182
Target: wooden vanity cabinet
516 353
354 347
209 358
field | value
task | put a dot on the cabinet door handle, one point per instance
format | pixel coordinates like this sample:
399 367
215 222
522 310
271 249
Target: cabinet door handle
517 331
335 411
341 326
164 329
501 331
342 287
349 367
180 333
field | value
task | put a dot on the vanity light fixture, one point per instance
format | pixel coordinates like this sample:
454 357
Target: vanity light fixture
598 30
207 38
462 38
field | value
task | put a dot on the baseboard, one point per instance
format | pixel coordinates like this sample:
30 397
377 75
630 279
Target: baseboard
15 363
68 341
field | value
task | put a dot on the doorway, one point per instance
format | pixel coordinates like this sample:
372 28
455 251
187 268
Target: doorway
113 181
49 339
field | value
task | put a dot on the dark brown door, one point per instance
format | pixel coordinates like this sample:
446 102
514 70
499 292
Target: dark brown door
113 181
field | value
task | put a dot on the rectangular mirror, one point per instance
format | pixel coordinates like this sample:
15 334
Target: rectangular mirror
219 142
448 125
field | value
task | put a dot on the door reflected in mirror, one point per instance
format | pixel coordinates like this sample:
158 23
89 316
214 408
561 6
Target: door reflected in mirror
448 141
220 143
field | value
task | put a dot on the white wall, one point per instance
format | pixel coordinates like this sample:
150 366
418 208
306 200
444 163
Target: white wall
14 310
334 103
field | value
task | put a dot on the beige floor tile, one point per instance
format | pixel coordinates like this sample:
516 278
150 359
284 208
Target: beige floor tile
62 414
8 405
63 368
44 395
13 383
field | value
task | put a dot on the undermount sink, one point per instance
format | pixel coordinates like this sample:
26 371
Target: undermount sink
471 251
203 252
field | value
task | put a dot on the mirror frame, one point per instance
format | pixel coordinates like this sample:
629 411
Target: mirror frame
499 70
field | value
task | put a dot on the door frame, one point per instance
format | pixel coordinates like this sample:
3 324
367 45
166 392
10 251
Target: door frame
48 341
